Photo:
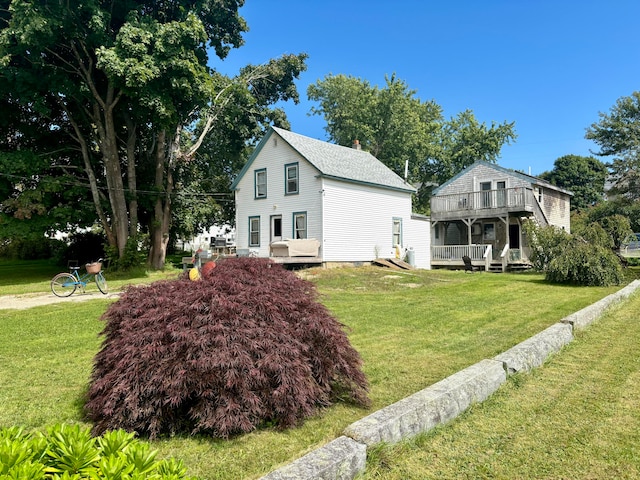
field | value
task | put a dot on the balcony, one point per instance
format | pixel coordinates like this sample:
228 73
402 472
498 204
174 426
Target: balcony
487 203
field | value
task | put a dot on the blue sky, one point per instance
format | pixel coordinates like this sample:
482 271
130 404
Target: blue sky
548 66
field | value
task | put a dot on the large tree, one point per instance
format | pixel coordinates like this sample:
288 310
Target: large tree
128 86
617 133
397 127
584 176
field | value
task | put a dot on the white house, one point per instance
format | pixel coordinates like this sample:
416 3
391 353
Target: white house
295 189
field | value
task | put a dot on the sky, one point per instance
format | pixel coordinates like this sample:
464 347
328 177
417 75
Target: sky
549 66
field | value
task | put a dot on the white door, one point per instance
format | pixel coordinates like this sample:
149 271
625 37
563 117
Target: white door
276 228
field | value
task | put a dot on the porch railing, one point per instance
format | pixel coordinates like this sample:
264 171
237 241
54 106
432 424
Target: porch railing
456 252
511 198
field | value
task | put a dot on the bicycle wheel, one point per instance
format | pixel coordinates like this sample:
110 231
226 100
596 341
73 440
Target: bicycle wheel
101 282
63 284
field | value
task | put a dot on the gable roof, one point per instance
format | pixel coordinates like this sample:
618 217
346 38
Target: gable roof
523 176
335 161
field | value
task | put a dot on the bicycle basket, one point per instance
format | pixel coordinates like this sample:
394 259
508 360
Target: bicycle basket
94 268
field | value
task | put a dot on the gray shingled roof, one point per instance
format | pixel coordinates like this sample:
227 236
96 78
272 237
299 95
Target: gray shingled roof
343 162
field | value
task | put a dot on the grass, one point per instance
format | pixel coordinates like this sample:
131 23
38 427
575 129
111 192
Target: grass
576 417
32 277
412 329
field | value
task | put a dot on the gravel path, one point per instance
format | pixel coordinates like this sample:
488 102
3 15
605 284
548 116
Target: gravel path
22 302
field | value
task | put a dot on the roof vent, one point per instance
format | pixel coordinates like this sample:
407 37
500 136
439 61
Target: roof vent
356 145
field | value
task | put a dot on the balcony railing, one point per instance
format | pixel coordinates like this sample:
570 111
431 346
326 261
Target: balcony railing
519 198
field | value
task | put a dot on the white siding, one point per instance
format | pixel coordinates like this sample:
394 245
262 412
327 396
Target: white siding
358 221
418 237
273 156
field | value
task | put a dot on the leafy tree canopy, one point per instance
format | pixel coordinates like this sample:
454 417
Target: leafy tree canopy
617 133
120 96
584 176
397 127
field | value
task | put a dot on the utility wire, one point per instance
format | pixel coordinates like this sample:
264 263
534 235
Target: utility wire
126 190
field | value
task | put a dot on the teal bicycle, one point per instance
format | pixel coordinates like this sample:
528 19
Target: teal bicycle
64 284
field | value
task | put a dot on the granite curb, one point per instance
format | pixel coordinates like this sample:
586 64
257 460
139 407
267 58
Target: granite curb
345 457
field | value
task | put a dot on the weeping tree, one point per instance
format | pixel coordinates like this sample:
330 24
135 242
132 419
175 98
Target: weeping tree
128 86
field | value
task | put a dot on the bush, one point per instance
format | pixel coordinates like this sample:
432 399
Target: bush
545 243
247 345
587 264
70 452
29 248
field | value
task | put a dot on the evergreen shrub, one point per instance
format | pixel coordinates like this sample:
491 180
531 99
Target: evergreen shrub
247 345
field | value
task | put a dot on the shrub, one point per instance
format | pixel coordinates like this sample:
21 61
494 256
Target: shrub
246 345
70 452
545 243
586 264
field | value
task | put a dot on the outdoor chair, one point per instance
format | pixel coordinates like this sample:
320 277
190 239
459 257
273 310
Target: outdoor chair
468 266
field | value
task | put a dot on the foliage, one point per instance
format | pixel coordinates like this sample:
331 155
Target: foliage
396 127
583 176
618 227
110 99
585 263
247 345
618 135
616 206
70 452
30 248
584 258
545 243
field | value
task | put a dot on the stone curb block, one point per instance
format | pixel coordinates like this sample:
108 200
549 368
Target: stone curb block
427 408
583 318
341 459
535 350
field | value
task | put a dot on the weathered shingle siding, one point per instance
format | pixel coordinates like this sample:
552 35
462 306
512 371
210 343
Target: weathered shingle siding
556 206
358 221
470 181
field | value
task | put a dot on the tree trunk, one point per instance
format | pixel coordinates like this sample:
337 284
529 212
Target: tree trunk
131 177
159 229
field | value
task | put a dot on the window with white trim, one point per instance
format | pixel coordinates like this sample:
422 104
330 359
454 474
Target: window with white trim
397 232
300 225
260 177
254 231
291 179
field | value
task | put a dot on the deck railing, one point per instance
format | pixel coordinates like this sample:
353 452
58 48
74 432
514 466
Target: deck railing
511 198
456 252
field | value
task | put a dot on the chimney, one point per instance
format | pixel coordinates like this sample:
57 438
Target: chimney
356 145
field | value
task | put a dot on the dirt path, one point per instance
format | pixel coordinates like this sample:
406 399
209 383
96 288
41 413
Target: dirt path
29 300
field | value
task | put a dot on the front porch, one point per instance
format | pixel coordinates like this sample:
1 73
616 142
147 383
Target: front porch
482 256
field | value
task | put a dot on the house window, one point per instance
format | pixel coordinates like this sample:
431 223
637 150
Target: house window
254 231
501 193
489 232
540 195
300 225
261 183
291 179
397 231
485 187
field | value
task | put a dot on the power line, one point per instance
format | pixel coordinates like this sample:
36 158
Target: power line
125 190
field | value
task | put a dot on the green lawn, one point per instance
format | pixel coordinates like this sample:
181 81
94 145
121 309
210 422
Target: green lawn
576 417
411 328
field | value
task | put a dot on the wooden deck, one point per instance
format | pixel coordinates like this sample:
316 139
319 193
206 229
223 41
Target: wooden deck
299 261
